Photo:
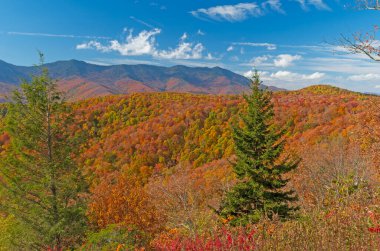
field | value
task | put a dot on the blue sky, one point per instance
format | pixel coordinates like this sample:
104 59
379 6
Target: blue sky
291 42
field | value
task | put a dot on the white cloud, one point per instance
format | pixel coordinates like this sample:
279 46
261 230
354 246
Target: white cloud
285 75
231 13
200 33
142 44
313 76
285 60
92 44
292 76
249 74
257 61
364 77
145 44
184 36
282 60
184 50
269 46
209 56
264 75
230 48
377 86
318 4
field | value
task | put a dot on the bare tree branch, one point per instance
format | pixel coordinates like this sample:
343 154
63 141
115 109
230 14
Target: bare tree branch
368 4
359 43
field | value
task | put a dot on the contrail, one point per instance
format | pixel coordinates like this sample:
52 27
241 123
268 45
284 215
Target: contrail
37 34
142 22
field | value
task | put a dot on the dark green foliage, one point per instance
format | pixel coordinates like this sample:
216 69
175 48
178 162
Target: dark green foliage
259 167
41 186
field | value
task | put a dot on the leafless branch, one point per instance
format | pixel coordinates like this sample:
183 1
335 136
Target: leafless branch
359 43
368 4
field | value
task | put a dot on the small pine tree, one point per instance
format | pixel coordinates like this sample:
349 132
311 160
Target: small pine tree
259 167
40 184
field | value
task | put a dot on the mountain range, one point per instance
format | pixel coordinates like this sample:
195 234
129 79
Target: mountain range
80 80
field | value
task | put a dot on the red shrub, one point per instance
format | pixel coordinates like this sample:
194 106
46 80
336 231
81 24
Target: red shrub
223 239
374 219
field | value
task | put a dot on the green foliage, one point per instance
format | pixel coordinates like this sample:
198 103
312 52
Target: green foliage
14 235
40 183
114 237
259 145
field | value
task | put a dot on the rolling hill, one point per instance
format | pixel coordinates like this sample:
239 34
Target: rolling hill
82 80
142 150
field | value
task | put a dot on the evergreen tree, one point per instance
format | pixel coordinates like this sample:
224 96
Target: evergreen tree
41 186
259 168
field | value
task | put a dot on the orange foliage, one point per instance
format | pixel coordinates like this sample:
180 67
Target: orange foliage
134 145
4 139
147 130
139 136
119 199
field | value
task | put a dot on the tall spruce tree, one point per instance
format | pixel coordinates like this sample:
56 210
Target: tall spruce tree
259 144
40 184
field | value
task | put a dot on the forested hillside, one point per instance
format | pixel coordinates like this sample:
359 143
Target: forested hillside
80 80
165 129
158 165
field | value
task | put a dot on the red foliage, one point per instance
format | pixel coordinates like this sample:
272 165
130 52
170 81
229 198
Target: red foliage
374 219
54 249
374 229
223 239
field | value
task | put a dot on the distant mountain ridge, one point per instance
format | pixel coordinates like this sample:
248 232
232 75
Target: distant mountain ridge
84 80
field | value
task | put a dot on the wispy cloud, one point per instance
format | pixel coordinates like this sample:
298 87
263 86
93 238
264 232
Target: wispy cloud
318 4
274 5
161 7
37 34
242 11
292 76
260 60
142 22
269 46
340 65
364 77
237 12
200 33
273 62
288 79
231 13
118 61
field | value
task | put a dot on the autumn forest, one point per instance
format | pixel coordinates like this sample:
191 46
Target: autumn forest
176 171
